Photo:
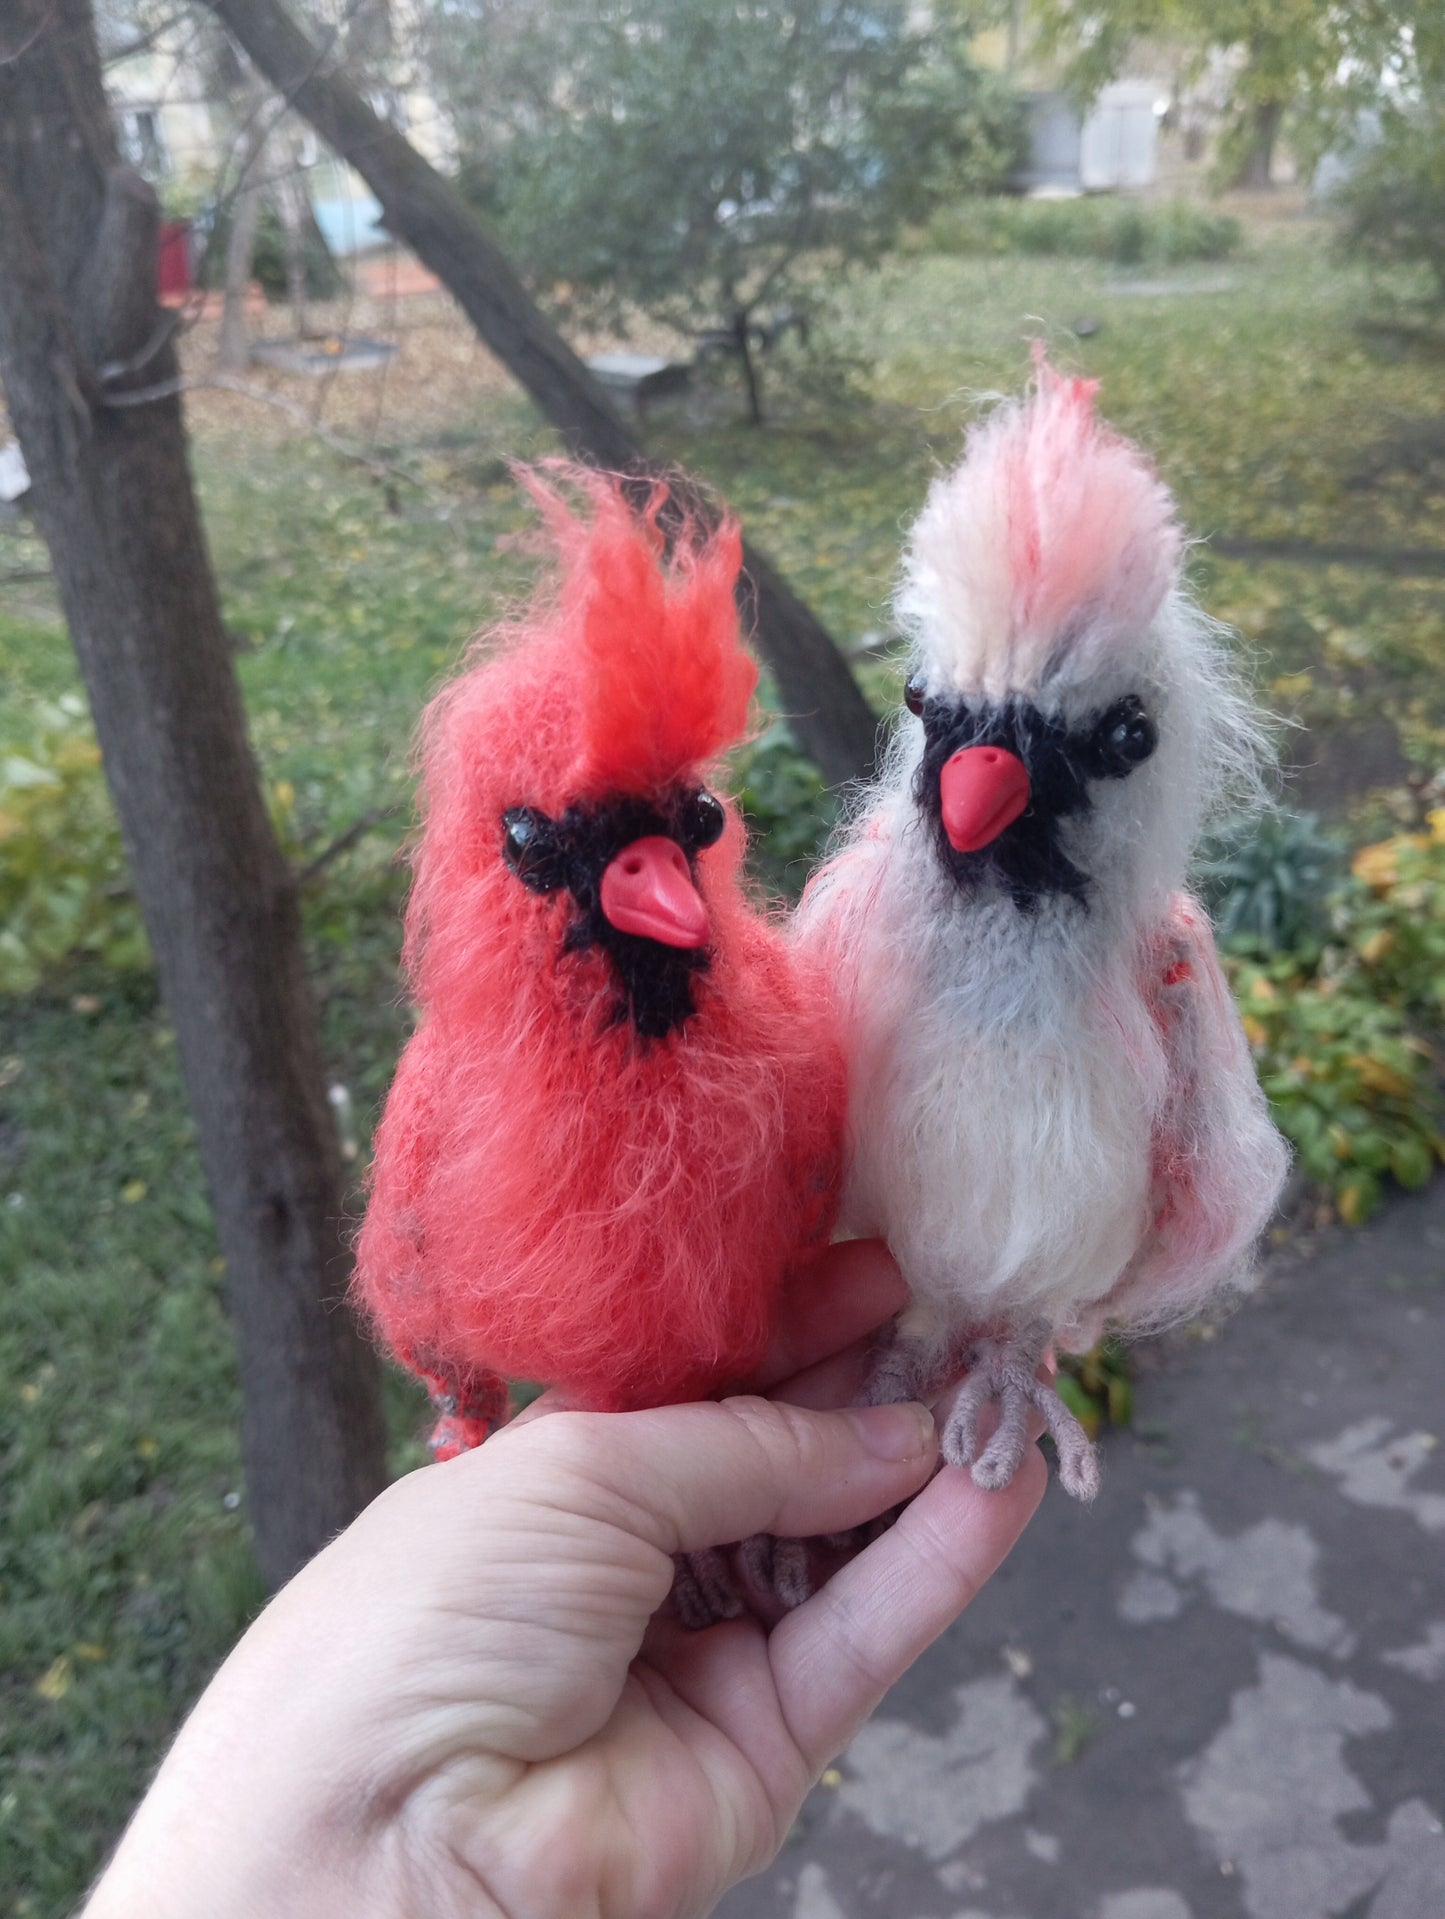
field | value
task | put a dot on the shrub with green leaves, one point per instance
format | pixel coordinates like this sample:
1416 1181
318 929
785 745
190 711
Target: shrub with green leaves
1344 1031
1096 1387
1351 1086
324 279
788 808
65 889
1392 921
692 162
1267 882
1392 206
1122 232
63 885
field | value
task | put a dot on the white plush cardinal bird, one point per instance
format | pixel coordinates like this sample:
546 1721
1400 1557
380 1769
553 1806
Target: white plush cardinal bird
1054 1118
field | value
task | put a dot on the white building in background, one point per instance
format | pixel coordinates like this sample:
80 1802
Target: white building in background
1113 147
1119 140
175 133
162 116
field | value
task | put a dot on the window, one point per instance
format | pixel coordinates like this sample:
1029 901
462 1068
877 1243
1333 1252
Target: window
144 141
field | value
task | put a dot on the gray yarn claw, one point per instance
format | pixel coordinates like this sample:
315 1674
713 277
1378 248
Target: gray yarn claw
1004 1372
704 1591
779 1567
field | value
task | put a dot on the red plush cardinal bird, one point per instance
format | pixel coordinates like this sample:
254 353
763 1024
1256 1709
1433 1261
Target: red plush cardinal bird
619 1123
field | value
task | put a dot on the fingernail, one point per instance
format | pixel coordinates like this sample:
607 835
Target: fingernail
894 1432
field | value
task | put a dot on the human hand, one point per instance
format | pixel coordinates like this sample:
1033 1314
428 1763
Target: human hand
466 1705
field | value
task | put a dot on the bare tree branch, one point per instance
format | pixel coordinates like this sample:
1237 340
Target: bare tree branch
343 843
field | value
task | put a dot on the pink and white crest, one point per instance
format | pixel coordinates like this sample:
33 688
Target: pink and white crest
1051 541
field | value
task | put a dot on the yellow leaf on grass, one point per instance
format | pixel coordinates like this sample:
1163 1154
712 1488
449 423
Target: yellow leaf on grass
55 1682
1377 865
133 1191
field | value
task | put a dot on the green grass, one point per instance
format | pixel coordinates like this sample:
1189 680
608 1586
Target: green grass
122 1555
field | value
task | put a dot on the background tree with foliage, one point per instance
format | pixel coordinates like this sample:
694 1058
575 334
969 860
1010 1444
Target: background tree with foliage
1393 200
1298 65
692 161
830 717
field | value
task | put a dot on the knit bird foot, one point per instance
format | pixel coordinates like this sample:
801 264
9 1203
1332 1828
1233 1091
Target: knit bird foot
704 1590
777 1569
762 1575
1004 1372
467 1414
900 1368
780 1574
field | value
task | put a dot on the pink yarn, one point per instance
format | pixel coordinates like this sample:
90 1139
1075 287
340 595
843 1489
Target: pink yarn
554 1196
1053 538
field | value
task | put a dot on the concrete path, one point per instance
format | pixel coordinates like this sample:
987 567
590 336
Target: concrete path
1220 1694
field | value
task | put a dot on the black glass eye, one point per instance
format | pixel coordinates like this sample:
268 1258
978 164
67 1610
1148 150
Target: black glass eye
1124 738
529 846
913 696
703 820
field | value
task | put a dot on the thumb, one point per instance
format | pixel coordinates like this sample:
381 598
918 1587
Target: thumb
681 1478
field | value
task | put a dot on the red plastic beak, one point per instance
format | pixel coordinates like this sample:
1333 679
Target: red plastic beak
983 789
647 890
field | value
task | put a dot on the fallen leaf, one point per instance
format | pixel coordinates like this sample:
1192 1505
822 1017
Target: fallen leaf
55 1682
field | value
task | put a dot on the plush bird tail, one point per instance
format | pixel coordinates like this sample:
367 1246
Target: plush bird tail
468 1411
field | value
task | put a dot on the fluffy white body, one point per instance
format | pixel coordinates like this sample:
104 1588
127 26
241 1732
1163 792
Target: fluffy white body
1054 1118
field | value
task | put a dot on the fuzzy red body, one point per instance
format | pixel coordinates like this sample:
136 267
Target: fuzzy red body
556 1196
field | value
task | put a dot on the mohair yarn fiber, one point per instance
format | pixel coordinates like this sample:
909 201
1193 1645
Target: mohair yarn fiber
600 1157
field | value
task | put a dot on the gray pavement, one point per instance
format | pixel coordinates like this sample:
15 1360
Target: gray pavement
1220 1693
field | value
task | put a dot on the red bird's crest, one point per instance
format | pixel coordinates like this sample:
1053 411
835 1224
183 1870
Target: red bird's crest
663 680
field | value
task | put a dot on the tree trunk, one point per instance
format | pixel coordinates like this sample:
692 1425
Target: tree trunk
79 326
249 154
235 350
832 720
1257 173
293 211
742 326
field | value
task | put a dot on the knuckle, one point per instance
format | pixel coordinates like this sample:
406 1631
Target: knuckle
789 1439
